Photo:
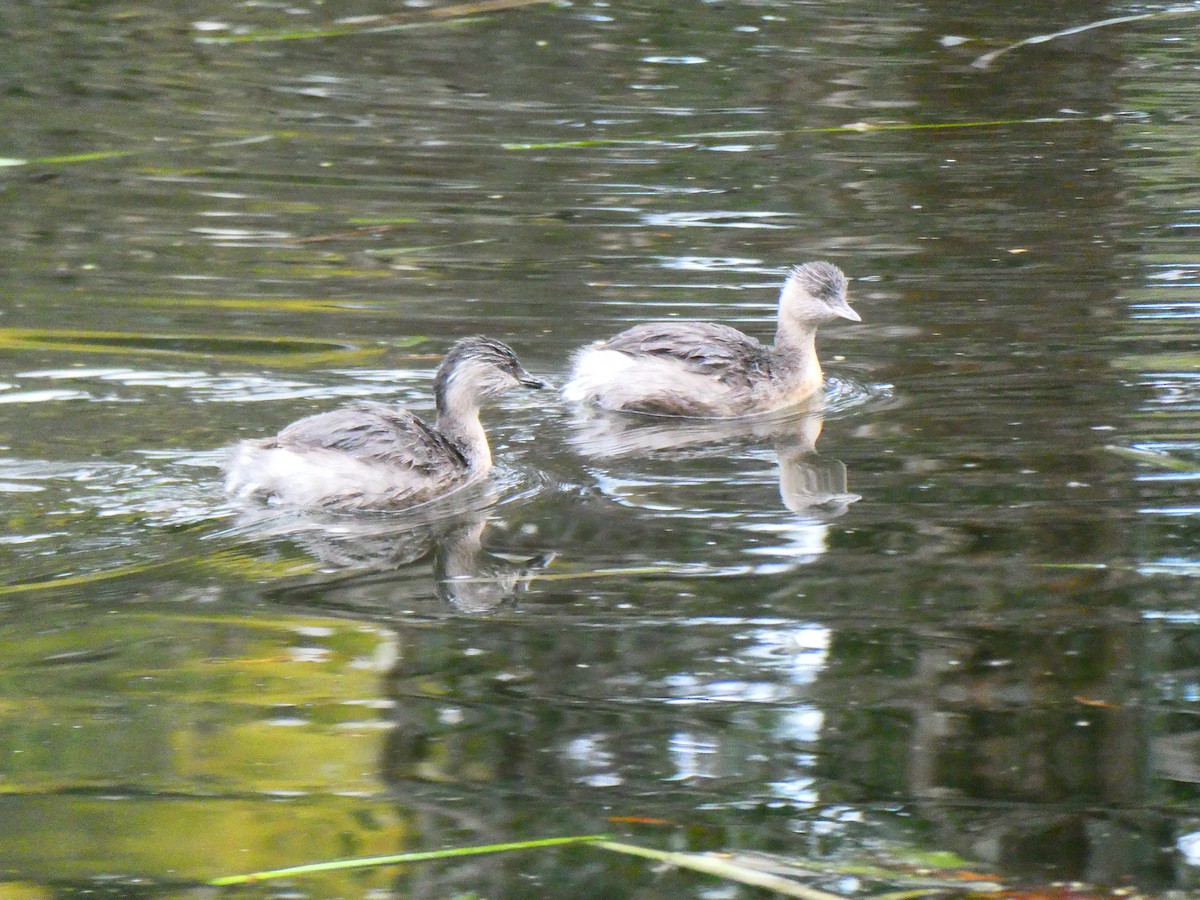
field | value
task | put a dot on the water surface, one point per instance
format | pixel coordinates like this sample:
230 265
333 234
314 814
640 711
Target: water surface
956 610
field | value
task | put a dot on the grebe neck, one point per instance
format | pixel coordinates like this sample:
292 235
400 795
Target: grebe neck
462 426
795 354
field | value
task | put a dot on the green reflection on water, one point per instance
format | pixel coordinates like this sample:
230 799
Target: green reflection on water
265 351
256 737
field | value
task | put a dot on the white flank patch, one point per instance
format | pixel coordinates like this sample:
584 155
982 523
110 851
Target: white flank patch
595 372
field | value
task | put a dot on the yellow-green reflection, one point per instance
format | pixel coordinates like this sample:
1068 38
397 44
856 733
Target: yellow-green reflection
259 738
266 351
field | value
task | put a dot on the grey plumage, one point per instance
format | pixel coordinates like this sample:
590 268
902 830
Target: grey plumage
371 455
823 280
481 353
710 370
374 432
733 358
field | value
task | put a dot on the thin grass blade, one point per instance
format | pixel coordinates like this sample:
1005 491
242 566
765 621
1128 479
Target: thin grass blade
396 859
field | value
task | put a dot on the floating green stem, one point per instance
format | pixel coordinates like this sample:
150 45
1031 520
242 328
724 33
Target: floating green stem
98 155
277 351
689 140
11 162
66 581
266 37
400 859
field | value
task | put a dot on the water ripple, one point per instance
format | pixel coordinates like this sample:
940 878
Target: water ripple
716 264
719 219
674 60
48 396
205 387
844 394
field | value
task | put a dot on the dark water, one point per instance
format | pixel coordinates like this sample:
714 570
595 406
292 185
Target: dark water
964 618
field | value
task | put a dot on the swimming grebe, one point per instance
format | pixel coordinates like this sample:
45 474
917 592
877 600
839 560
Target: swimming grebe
709 370
375 456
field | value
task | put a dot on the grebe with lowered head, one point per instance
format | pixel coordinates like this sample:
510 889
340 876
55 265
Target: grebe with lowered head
709 370
375 456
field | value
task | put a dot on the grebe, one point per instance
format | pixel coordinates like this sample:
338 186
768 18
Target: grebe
375 456
708 370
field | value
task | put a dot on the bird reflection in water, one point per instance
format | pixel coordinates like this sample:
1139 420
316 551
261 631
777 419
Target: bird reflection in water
476 580
373 561
810 485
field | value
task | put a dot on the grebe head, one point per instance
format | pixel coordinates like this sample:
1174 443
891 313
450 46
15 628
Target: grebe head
816 292
476 369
